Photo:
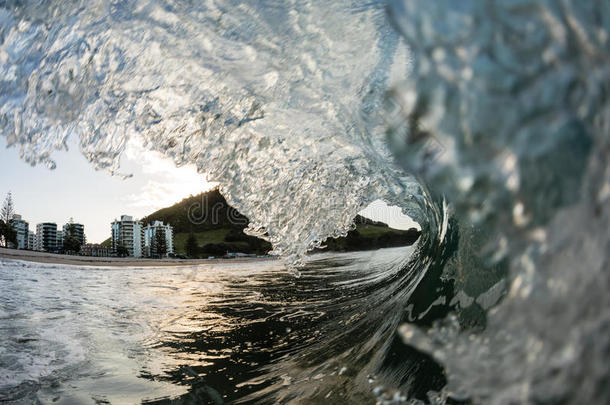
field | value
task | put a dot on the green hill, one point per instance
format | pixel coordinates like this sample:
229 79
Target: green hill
371 235
218 228
199 213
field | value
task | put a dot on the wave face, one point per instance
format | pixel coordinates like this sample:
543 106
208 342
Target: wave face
517 94
498 111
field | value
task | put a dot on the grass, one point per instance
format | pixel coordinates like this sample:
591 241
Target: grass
373 231
203 238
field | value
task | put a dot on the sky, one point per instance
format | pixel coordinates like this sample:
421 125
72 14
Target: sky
94 198
74 189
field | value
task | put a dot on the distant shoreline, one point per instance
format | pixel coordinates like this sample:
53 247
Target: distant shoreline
51 258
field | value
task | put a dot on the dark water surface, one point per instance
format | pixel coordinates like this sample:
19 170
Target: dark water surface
214 333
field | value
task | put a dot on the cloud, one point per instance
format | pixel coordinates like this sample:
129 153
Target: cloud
165 183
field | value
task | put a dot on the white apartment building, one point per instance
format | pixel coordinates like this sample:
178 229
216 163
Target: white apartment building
46 237
150 238
128 233
22 229
31 241
60 239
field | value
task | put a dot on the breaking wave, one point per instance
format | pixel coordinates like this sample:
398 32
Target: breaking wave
485 121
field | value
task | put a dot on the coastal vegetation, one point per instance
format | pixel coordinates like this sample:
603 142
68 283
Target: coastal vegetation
71 244
159 245
7 233
191 245
122 251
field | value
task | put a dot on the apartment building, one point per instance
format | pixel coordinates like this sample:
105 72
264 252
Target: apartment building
60 239
129 234
31 241
22 229
150 238
46 237
78 231
94 250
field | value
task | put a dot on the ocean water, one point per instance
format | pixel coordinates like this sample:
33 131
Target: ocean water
486 121
218 333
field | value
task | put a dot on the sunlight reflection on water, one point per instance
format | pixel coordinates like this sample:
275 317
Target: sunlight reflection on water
126 335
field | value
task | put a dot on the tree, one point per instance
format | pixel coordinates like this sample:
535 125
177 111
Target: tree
71 243
7 233
3 229
8 209
122 251
160 244
191 246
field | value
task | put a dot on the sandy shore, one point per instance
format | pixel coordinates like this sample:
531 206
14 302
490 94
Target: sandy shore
44 257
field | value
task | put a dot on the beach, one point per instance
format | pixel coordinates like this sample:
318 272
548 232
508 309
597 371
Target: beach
45 257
